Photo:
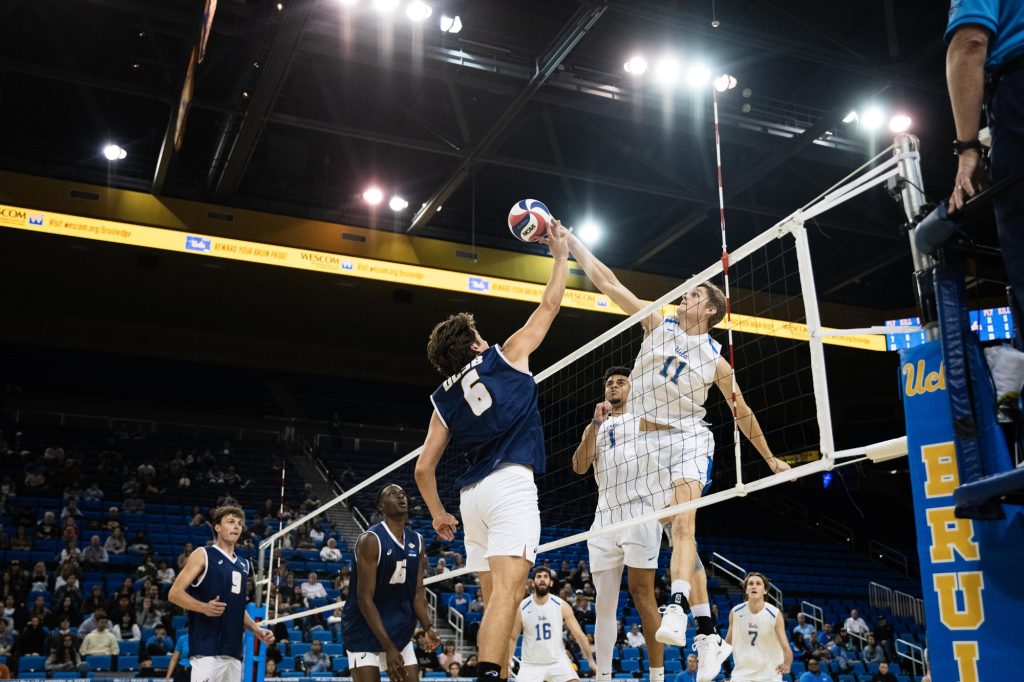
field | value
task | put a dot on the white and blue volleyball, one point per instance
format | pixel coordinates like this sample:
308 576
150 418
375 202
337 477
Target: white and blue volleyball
528 220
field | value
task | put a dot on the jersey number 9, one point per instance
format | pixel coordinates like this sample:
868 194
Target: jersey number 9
475 393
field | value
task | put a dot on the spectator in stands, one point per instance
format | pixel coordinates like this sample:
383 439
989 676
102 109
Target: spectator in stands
689 674
165 574
95 556
469 669
460 602
568 594
634 638
884 674
91 623
620 634
115 543
70 551
334 623
315 660
110 462
54 456
825 636
803 627
39 580
885 636
197 517
6 639
426 659
873 653
147 616
348 477
70 530
838 655
5 541
140 544
21 540
94 600
73 491
160 604
66 609
32 640
127 630
584 609
185 554
35 475
449 655
312 589
147 569
126 590
93 493
855 625
100 641
159 644
62 630
39 610
69 590
71 510
113 519
330 552
814 673
343 577
316 535
477 605
134 505
122 605
48 527
65 658
9 587
801 650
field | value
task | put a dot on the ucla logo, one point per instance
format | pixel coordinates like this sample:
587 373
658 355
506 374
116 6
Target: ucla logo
919 381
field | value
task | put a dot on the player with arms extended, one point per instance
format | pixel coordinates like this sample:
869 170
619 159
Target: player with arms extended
487 407
677 363
378 622
212 588
540 618
757 634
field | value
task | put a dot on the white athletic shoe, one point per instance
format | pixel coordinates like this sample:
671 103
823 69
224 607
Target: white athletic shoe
711 653
673 626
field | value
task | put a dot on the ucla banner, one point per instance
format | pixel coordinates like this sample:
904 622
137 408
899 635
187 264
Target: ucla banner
970 570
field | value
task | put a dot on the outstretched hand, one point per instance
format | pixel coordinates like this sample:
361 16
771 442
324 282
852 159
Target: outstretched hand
557 239
445 524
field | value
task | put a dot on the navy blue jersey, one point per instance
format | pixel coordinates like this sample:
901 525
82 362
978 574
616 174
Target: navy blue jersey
223 577
490 409
398 570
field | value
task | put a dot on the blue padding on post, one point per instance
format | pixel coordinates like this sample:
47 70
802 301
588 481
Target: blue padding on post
989 487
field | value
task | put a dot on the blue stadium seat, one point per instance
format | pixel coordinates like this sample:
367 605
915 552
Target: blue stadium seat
322 635
630 652
673 666
300 648
161 662
339 664
128 648
290 673
66 675
334 649
436 674
589 628
32 676
126 663
100 663
32 663
630 665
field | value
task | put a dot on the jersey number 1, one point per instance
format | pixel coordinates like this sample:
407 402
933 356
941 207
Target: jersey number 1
475 393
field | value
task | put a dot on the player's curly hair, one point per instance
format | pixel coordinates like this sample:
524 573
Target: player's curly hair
449 346
755 574
716 299
218 514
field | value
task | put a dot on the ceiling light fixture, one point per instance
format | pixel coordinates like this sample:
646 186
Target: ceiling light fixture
113 152
418 10
636 66
373 196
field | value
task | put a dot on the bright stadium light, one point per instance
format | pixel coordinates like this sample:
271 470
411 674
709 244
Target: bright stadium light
698 76
112 152
418 10
385 5
590 232
373 196
397 204
636 65
451 24
348 3
900 123
851 117
666 72
724 82
872 118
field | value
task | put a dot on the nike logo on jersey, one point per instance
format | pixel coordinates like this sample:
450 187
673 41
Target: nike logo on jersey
651 558
362 657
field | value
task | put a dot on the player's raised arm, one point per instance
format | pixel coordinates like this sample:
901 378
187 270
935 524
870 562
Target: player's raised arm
520 345
605 280
569 618
426 477
725 380
585 453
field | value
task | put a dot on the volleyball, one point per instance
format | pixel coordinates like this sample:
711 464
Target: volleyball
528 220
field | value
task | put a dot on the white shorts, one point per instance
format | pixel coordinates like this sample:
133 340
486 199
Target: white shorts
215 669
361 659
637 547
682 454
559 671
500 516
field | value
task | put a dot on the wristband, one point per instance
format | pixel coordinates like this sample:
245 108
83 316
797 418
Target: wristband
594 421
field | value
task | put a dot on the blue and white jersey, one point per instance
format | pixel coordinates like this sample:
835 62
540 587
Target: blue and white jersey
755 647
490 409
398 569
672 374
542 631
1004 18
224 577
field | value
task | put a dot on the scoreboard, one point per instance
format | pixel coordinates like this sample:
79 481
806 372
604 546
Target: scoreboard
990 324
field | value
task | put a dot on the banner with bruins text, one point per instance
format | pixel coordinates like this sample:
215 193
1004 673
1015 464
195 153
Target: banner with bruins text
970 570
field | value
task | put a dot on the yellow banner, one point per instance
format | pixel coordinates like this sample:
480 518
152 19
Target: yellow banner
366 268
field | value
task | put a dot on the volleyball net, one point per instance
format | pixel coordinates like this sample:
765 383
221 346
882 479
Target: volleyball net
774 339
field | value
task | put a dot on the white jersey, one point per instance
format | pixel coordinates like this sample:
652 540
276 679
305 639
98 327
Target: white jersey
623 477
542 631
671 376
755 647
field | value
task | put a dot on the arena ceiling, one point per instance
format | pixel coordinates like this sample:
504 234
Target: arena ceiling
300 105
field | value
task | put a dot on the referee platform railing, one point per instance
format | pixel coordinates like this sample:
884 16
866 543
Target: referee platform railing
900 603
912 653
815 613
738 573
457 622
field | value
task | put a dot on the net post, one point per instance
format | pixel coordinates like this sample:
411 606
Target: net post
260 575
908 157
815 339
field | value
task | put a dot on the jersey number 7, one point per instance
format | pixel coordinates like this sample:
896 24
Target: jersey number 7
475 393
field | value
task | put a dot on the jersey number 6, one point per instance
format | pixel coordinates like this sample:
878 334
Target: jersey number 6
475 393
